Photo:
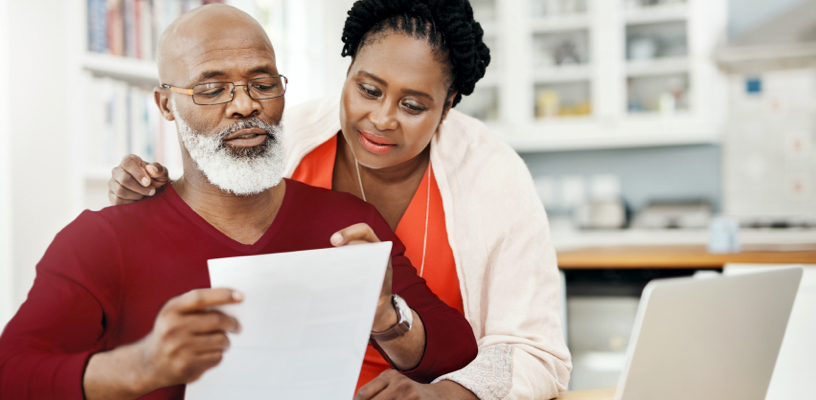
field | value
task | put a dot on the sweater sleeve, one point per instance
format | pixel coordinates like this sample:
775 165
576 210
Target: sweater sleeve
513 288
449 341
46 345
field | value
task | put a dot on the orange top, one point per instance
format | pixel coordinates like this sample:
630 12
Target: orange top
439 268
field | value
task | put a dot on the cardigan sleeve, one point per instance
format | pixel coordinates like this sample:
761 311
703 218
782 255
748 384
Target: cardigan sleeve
46 345
513 289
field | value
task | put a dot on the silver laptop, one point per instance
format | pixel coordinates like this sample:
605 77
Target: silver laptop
708 338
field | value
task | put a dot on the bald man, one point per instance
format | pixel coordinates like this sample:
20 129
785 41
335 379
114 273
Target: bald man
121 307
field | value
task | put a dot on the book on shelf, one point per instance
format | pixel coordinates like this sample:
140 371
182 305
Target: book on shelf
131 28
125 120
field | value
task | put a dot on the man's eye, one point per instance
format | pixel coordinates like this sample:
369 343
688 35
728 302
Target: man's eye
264 88
211 92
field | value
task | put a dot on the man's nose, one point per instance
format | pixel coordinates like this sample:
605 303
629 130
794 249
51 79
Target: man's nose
243 106
384 118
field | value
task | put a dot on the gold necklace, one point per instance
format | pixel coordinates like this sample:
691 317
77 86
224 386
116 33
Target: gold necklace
427 208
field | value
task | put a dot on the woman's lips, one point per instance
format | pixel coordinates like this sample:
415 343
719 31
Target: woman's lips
246 138
376 144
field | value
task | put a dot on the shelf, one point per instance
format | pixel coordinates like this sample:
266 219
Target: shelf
587 133
658 66
136 72
561 23
656 14
565 73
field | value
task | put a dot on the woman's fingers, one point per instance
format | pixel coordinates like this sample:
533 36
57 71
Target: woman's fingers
158 174
133 180
135 167
355 234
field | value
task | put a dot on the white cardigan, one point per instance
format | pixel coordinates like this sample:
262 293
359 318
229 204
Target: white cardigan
500 238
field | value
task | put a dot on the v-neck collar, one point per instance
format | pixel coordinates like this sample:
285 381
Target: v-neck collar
179 204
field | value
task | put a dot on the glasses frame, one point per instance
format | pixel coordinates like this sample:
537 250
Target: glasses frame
190 91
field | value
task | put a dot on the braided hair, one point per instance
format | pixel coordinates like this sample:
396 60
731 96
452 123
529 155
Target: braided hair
447 25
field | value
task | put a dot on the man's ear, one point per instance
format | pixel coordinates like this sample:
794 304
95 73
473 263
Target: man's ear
163 102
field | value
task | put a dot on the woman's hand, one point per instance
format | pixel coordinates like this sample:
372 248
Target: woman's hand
134 179
392 385
386 316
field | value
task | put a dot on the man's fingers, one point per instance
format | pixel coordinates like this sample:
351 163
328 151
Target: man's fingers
355 234
135 167
214 342
199 300
158 173
205 361
211 322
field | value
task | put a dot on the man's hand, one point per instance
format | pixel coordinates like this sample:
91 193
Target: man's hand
386 316
391 385
188 338
134 179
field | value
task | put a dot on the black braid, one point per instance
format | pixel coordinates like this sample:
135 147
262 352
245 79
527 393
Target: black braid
447 25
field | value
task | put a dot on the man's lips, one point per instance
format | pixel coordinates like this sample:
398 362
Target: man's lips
376 144
249 137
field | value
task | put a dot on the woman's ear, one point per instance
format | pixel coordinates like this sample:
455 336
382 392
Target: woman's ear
449 104
163 102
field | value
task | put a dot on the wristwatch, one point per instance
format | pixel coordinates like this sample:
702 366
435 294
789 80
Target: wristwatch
405 319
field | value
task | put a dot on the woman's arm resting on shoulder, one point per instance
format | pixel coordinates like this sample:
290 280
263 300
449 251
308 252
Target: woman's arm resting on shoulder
134 179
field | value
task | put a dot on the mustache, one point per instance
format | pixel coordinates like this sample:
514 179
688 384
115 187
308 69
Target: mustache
253 122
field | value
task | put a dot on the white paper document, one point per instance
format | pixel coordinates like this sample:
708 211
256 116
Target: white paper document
306 319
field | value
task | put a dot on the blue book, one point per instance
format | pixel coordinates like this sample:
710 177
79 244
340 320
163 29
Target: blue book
97 29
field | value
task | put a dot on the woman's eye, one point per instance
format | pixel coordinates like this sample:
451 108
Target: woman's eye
369 91
414 107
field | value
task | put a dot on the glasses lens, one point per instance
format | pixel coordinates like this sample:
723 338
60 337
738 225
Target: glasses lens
212 93
267 88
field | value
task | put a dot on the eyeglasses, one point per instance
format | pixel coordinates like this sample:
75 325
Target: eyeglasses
211 93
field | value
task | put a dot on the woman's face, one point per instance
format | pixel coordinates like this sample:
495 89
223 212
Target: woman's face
393 100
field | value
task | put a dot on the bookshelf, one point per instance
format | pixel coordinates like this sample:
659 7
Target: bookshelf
592 74
112 74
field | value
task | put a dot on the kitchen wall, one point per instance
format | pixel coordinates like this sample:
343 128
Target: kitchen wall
643 174
747 14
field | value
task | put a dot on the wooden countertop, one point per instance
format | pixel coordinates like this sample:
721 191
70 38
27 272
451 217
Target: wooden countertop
693 256
598 394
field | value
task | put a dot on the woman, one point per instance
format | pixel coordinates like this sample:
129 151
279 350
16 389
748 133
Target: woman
461 200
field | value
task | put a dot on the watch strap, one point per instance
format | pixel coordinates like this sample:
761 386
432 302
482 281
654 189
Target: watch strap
395 331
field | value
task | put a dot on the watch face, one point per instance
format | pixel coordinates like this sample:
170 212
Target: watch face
403 310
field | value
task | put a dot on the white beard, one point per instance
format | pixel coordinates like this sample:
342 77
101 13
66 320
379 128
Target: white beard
242 175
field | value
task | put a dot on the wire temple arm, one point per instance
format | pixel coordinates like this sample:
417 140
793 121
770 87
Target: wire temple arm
178 90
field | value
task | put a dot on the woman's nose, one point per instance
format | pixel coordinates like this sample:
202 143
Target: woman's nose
384 117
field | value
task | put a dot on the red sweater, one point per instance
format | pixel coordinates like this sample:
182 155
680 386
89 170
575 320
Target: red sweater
106 275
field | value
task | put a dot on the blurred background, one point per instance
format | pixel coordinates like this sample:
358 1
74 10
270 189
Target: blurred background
665 137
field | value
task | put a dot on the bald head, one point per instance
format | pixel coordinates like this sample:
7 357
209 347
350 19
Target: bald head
205 34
